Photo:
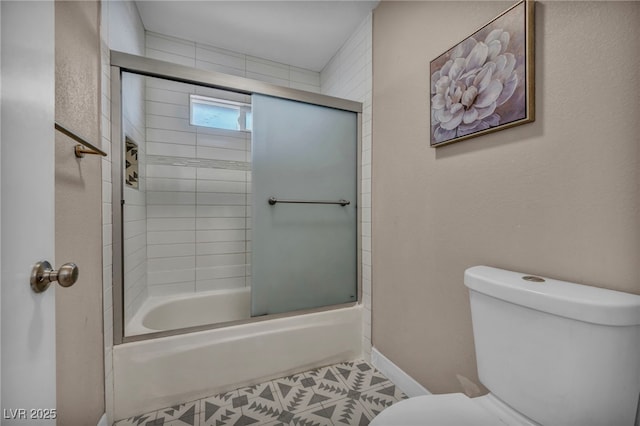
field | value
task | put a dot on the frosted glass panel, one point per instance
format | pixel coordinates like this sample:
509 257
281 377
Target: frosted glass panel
303 255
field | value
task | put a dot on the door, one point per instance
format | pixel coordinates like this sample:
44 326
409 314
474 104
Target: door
304 255
27 339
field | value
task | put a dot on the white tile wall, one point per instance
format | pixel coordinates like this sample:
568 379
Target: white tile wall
120 29
196 216
212 58
349 75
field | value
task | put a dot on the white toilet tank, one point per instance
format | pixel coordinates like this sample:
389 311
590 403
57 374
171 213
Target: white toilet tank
559 353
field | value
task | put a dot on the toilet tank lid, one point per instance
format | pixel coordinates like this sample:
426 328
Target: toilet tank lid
576 301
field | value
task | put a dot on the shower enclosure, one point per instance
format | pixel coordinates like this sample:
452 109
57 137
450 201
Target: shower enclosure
234 200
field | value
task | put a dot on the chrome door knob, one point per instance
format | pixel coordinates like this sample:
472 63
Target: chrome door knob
67 275
43 274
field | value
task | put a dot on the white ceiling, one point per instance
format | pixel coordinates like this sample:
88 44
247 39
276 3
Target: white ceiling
303 33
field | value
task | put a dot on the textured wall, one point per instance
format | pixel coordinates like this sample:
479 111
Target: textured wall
79 335
558 197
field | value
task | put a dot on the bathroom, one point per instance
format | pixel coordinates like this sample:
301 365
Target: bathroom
557 197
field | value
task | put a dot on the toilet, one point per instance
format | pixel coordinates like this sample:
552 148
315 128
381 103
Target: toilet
550 352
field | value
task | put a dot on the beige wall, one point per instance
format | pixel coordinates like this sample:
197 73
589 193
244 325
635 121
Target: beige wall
559 197
79 336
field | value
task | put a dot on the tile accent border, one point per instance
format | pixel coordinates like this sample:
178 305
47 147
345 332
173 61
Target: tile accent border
405 382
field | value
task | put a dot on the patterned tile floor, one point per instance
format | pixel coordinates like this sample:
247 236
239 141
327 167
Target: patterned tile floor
350 393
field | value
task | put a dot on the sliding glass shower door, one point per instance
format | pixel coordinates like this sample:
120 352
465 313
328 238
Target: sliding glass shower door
304 221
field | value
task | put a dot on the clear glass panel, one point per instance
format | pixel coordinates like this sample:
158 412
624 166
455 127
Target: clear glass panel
304 255
134 207
185 236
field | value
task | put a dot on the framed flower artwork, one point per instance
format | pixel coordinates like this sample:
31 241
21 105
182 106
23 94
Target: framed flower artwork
486 82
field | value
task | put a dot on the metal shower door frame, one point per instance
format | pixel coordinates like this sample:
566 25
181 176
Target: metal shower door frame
124 62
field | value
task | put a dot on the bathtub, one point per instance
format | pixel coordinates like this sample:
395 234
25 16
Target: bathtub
152 374
162 313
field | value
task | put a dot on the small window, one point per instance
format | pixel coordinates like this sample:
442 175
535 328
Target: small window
219 114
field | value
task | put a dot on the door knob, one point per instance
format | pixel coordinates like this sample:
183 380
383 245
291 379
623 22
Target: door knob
43 274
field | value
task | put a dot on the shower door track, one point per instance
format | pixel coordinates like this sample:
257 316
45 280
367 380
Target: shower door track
124 62
161 69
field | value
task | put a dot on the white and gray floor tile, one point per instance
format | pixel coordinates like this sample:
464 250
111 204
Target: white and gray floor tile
346 394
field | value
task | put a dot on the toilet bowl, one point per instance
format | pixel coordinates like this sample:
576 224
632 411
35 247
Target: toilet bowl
547 350
454 409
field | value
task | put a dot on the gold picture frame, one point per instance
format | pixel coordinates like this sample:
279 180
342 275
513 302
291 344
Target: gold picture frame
486 82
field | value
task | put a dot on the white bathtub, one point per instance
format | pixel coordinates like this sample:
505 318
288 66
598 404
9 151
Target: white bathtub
157 373
162 313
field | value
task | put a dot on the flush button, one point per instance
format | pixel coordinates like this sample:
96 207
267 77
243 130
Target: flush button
533 279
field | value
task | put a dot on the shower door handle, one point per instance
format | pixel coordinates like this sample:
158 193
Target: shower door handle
273 201
42 274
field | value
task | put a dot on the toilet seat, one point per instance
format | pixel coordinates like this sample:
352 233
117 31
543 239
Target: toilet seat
454 409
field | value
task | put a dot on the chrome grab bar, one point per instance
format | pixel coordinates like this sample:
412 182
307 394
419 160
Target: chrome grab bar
273 201
79 149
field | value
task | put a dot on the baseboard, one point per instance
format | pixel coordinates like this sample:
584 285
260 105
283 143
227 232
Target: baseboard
405 382
103 420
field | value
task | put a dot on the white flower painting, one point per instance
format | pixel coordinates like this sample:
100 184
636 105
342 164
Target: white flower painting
480 84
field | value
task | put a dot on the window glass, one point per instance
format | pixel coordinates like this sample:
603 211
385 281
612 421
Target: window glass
220 114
